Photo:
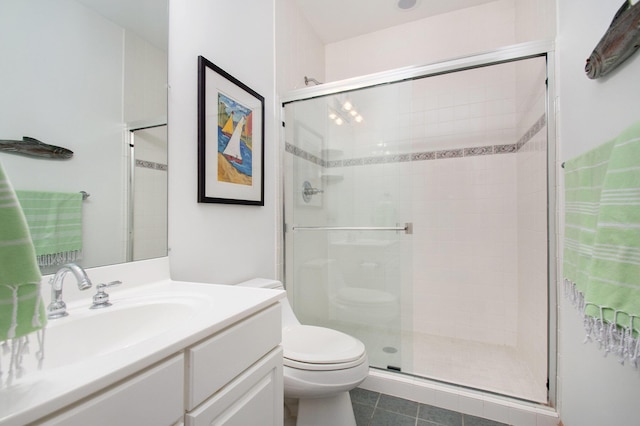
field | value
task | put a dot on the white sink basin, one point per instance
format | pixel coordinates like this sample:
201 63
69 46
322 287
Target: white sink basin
88 333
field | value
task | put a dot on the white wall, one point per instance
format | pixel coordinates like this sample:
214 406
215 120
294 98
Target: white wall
299 51
535 20
218 242
593 390
460 33
145 80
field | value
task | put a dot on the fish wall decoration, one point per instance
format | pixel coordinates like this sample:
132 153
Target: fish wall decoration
31 147
620 41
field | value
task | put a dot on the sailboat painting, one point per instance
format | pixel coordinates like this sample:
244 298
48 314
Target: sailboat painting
231 134
234 141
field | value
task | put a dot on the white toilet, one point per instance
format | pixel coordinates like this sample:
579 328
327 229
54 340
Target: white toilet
321 366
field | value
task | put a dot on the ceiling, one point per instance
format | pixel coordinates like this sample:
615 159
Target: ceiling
332 20
335 20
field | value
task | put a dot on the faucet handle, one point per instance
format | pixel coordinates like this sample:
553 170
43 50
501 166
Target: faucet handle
109 284
101 298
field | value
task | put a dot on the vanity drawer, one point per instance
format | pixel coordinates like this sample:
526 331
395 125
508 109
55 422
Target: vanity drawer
253 398
153 397
218 360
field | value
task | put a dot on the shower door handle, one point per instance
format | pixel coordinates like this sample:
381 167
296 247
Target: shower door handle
407 228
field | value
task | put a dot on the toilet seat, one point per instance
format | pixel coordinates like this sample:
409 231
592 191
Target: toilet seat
308 347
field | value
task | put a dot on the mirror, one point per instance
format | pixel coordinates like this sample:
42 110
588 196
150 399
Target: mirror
91 76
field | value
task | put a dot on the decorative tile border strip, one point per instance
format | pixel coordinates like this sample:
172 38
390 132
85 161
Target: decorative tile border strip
422 156
533 130
151 165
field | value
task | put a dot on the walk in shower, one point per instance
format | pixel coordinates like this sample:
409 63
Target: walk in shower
416 220
147 190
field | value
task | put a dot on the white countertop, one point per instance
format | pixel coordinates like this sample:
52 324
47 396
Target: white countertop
40 392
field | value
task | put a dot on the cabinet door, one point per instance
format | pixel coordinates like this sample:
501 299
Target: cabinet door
255 398
153 397
215 362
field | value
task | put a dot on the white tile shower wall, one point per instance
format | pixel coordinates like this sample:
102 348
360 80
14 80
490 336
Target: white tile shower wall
464 246
465 109
464 243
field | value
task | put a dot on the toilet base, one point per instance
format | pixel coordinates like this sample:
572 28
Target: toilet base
333 410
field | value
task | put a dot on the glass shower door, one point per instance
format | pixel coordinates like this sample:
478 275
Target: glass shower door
463 156
348 241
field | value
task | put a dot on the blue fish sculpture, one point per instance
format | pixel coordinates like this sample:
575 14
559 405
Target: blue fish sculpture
31 147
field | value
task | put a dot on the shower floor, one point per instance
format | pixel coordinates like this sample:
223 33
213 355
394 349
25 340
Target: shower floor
477 365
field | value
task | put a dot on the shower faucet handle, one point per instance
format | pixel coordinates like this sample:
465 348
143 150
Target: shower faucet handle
308 191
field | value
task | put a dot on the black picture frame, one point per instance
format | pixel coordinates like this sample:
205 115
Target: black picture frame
230 138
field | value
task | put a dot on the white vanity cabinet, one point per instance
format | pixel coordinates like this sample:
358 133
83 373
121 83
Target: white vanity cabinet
152 397
232 377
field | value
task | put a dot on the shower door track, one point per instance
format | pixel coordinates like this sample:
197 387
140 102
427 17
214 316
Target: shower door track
505 54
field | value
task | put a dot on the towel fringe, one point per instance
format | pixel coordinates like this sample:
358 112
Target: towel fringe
610 337
61 258
35 320
15 350
14 312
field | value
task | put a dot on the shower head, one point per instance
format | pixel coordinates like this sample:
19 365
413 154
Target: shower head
308 80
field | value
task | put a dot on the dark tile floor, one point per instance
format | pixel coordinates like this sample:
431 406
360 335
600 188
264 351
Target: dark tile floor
376 409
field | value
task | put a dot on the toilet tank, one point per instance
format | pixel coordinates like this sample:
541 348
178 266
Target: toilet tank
288 317
262 283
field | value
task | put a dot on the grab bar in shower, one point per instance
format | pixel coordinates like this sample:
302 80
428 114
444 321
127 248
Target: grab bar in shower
407 228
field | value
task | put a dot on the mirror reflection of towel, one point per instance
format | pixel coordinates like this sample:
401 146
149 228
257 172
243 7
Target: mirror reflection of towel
21 308
55 222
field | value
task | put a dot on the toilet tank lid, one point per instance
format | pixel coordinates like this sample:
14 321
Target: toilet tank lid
262 283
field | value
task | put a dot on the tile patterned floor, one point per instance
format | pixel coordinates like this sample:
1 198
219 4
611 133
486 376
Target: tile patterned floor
376 409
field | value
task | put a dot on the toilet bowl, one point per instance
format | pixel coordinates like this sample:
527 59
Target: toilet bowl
364 305
321 366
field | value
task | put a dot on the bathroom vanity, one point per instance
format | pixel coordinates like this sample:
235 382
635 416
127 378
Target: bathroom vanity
166 353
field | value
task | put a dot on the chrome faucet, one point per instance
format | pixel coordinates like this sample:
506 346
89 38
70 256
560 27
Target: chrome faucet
57 308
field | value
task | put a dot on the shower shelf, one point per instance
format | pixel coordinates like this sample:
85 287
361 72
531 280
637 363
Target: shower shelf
332 177
331 153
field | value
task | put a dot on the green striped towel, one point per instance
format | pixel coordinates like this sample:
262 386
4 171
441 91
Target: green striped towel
55 222
21 309
602 242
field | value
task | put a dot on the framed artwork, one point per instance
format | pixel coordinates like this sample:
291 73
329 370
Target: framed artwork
230 139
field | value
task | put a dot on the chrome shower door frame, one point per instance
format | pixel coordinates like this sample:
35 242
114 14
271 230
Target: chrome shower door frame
507 54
